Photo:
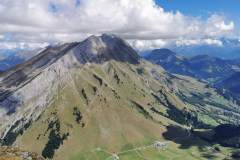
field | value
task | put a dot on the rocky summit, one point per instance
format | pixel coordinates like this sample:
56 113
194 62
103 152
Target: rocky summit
97 99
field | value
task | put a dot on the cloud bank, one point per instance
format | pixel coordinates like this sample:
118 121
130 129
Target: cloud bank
143 23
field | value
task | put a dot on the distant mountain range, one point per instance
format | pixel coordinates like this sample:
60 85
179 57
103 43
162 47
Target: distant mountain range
232 83
229 49
220 73
203 67
12 57
98 99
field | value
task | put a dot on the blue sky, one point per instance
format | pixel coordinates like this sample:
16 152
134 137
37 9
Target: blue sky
204 8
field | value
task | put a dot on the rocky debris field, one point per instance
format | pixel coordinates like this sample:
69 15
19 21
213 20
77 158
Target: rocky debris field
12 153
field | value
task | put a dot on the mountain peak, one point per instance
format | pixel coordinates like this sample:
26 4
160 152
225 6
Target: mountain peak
106 47
164 51
164 54
95 49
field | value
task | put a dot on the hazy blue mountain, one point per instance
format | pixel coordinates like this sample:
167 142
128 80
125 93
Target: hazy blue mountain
230 49
231 83
12 57
211 69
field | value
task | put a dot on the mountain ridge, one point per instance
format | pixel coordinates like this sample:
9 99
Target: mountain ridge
50 65
202 67
99 93
231 83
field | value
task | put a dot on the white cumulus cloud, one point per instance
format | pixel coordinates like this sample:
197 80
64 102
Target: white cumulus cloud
22 45
142 22
188 42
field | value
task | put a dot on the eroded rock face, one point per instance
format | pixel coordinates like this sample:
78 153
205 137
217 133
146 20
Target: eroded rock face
23 102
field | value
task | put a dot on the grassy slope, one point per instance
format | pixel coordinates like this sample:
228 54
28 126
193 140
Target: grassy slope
111 120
